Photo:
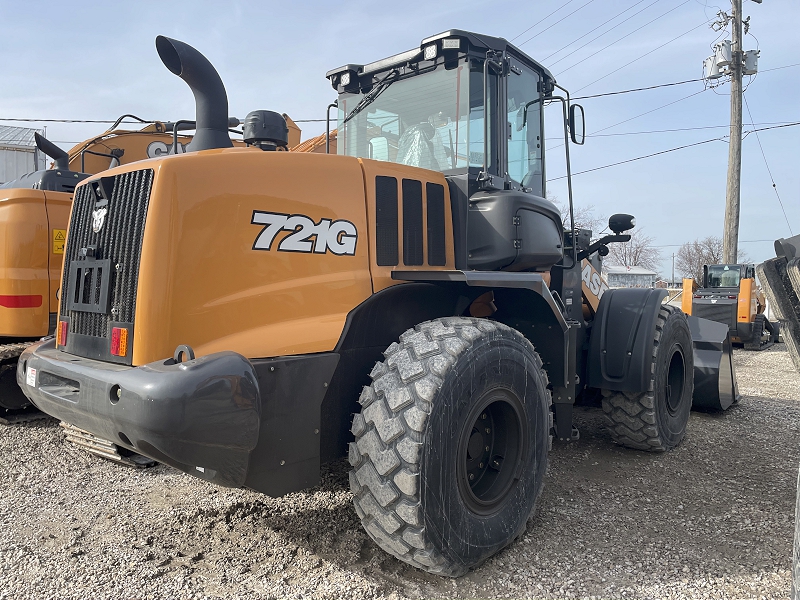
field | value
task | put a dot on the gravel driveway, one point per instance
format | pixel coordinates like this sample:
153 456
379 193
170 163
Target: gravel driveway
712 519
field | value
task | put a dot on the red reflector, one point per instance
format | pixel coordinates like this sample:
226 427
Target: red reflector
119 341
16 301
61 333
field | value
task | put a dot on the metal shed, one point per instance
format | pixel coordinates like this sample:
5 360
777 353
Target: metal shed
18 152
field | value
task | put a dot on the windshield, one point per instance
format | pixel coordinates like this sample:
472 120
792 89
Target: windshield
422 121
723 276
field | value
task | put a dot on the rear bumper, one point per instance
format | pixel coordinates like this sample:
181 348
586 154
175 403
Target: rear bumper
207 417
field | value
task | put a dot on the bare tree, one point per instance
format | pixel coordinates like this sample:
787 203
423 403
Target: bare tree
639 252
691 257
585 217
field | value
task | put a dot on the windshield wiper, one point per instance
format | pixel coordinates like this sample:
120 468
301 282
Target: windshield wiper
370 96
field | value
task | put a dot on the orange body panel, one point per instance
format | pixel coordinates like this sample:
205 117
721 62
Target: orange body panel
202 283
382 276
29 267
746 311
689 287
592 285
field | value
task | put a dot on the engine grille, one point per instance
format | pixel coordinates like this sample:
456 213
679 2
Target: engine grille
414 210
118 241
721 312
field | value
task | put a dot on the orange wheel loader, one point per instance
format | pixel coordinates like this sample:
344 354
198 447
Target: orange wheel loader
413 303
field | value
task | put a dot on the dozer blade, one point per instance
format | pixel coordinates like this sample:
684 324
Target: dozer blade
105 449
715 385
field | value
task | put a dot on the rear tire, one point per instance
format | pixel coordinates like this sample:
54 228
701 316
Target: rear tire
656 419
451 443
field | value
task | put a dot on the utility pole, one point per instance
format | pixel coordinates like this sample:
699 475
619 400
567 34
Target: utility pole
673 270
730 234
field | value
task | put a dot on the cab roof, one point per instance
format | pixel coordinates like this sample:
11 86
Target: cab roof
476 41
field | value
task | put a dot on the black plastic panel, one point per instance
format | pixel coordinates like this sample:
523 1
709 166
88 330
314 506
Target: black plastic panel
437 256
620 355
412 222
386 222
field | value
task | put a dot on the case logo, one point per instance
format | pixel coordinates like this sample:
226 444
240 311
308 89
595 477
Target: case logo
338 237
98 218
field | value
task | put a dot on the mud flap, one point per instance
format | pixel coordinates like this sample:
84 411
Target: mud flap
715 385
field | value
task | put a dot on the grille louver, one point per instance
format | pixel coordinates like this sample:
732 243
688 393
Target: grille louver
119 242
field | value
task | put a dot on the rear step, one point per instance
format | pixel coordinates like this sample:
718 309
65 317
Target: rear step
105 449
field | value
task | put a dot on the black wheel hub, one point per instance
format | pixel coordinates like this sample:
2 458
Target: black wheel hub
676 374
490 451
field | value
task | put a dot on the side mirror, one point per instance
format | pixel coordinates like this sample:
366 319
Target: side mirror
577 126
621 222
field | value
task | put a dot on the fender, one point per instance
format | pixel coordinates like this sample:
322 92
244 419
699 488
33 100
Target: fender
620 354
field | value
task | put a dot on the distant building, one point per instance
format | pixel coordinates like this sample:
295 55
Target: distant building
18 153
630 277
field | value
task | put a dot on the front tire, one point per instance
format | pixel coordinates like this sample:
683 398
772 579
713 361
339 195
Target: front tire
451 443
656 419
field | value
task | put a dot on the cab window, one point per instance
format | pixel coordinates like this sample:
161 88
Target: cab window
524 136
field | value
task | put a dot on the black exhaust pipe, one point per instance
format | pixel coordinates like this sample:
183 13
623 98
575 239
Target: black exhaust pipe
209 92
50 149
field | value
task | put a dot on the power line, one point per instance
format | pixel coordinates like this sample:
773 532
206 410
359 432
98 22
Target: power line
542 20
624 36
642 56
652 87
674 130
717 139
604 33
774 187
652 110
108 121
591 31
557 22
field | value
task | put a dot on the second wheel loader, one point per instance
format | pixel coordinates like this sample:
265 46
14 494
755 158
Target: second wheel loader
228 311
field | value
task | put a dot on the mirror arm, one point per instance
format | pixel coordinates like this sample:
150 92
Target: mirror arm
603 243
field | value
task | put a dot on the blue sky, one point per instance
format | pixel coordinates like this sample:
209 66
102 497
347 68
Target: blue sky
97 60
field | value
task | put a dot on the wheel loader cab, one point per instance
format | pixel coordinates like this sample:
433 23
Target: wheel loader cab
468 106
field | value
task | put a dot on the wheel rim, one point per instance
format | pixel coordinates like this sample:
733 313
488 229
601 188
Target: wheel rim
676 376
490 451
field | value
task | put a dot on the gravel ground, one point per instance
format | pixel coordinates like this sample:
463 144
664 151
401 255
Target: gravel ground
712 519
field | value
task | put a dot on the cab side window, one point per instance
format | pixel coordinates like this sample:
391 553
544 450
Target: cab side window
525 129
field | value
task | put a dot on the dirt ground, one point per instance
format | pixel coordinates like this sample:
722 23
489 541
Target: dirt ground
711 519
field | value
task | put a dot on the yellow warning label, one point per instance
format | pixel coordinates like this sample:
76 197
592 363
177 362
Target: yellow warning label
59 238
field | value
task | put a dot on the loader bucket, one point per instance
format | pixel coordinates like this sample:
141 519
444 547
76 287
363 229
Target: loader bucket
715 385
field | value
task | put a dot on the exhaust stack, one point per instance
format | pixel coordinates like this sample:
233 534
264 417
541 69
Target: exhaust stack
209 93
50 149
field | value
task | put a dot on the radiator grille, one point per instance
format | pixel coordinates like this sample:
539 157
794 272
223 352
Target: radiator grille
436 231
721 313
412 222
386 221
119 241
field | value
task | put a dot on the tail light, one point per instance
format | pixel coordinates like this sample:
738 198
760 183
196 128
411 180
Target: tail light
61 333
698 295
119 341
732 297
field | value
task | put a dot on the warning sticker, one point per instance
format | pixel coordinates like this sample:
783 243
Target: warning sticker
59 238
30 377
